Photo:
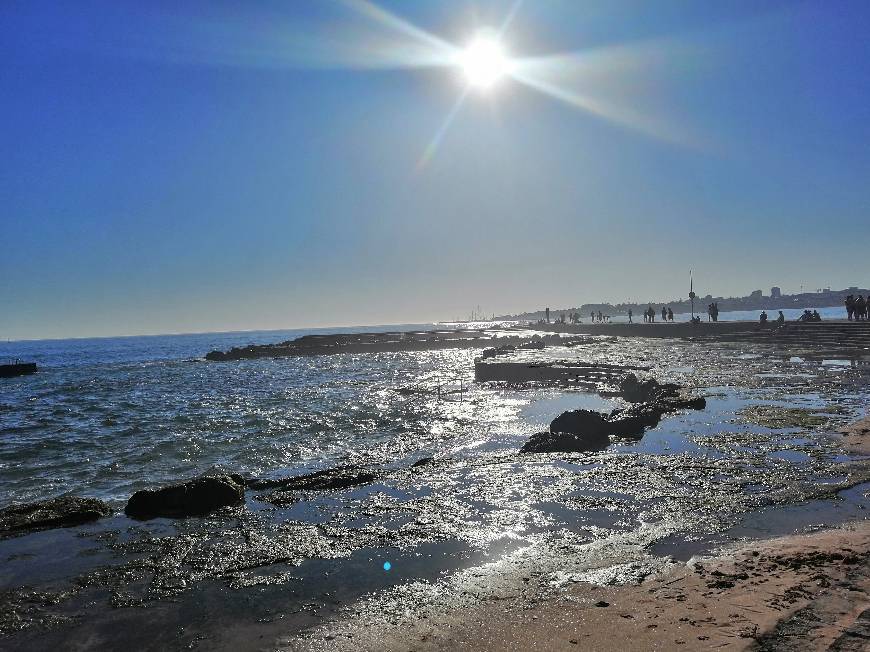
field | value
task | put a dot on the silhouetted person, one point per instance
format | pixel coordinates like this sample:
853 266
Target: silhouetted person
710 312
670 314
860 307
600 316
763 317
629 316
816 316
850 306
547 312
652 313
781 318
664 313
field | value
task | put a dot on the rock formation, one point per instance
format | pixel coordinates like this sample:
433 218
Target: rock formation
65 511
192 498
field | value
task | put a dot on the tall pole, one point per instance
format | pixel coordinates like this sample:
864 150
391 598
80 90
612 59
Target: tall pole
692 295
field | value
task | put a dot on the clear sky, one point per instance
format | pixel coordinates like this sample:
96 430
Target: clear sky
278 164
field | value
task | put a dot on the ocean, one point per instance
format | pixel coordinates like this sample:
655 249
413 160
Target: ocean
106 416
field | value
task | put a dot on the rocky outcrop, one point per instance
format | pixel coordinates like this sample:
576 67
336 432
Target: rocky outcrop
65 511
338 478
580 431
192 498
564 442
287 489
634 390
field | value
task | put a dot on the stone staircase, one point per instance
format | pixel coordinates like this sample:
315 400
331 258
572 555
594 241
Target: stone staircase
826 338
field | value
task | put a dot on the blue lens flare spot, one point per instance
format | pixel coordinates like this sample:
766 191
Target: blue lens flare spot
387 565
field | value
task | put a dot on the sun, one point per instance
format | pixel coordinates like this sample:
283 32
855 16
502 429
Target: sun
484 61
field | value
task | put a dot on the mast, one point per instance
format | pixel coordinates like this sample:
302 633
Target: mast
692 295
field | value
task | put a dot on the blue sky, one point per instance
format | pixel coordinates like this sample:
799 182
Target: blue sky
258 165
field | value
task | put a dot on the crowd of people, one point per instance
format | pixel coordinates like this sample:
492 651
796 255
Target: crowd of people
808 316
649 315
857 308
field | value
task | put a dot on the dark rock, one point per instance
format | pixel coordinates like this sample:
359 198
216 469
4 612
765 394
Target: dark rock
578 431
578 422
602 603
330 479
633 421
422 462
688 403
239 479
192 498
65 511
338 478
563 442
637 391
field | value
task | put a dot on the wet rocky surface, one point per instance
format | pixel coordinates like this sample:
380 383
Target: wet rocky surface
468 524
195 497
508 339
580 431
64 511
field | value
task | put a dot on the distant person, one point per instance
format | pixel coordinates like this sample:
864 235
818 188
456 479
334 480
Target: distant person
710 312
807 316
670 314
715 311
781 318
860 307
600 317
664 313
850 306
629 316
652 313
592 316
763 317
816 316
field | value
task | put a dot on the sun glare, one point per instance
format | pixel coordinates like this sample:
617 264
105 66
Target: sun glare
484 61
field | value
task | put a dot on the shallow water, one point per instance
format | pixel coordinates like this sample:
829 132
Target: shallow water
106 421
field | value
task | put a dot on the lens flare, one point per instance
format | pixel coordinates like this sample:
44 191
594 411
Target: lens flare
484 61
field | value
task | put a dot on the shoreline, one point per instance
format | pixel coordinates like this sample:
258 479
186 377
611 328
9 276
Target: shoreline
805 591
809 588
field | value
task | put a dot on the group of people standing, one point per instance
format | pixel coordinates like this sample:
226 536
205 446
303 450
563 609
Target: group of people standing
649 315
857 308
713 312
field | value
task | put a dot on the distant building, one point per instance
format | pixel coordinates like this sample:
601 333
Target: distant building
756 294
775 292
